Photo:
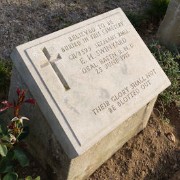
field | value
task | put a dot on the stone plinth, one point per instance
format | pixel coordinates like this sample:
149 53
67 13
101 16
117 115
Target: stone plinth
169 30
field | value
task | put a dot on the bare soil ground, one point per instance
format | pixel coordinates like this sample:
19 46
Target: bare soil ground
150 154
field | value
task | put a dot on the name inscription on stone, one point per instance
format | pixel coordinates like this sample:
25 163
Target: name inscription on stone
99 47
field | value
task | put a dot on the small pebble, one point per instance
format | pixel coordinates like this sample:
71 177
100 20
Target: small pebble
171 137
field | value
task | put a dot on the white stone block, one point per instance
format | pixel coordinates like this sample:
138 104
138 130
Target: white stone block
169 30
88 80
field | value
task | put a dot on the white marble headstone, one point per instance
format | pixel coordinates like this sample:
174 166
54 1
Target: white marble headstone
90 77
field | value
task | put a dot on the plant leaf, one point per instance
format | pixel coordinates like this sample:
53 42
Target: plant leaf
3 109
24 118
30 100
21 157
24 133
10 176
5 138
28 178
18 91
38 178
5 165
15 119
3 150
3 129
6 104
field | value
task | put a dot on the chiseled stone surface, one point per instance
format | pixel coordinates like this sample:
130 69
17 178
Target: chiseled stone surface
89 78
169 30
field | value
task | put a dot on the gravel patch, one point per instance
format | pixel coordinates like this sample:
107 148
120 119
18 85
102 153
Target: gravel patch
24 20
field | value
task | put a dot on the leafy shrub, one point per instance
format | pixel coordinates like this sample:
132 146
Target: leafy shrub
5 74
157 9
138 20
169 63
11 137
151 16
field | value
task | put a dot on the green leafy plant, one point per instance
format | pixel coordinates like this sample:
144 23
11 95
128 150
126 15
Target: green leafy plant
150 17
138 20
30 178
169 62
11 138
158 9
5 74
